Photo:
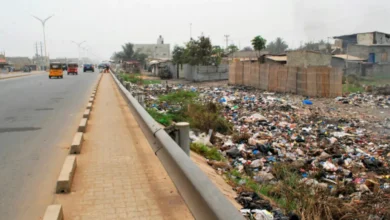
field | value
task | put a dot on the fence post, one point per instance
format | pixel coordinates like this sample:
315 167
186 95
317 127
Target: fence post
184 136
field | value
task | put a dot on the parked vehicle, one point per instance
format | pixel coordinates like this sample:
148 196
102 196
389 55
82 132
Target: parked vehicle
89 67
56 70
73 68
26 69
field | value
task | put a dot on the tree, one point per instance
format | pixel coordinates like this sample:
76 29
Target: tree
178 57
277 47
232 49
248 48
258 44
217 54
128 53
317 46
198 52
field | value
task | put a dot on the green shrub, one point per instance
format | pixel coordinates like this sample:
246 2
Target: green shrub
208 152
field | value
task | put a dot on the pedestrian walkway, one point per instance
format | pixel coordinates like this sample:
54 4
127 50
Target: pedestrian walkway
118 175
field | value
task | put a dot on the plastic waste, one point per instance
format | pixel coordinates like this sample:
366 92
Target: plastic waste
307 102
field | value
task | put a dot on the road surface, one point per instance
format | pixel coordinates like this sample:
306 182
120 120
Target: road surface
38 118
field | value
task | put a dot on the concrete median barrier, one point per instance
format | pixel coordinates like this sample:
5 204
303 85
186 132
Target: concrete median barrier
54 212
83 125
64 182
77 142
91 100
89 106
87 113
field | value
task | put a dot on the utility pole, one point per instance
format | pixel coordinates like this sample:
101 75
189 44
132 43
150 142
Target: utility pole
227 40
79 46
190 31
42 61
44 34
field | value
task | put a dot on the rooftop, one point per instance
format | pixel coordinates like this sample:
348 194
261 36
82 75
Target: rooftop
277 58
348 57
351 35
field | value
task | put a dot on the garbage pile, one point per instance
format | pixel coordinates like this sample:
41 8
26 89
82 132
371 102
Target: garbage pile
365 100
331 153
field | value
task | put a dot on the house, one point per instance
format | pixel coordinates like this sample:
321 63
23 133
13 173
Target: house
158 51
307 58
373 46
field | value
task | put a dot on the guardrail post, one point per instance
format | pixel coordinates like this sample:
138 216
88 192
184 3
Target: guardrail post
184 136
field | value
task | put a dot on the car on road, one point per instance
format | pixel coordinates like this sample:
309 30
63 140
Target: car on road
89 67
73 69
56 70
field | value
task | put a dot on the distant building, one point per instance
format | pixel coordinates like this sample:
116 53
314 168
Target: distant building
19 62
371 46
3 62
307 58
157 51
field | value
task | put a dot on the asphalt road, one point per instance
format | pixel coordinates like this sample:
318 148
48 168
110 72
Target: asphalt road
38 118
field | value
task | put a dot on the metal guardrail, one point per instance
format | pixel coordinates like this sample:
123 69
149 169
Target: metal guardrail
202 197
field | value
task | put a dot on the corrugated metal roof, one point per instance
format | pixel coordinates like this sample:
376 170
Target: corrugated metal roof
277 58
348 57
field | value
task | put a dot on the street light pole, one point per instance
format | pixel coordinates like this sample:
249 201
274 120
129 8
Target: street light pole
44 34
79 46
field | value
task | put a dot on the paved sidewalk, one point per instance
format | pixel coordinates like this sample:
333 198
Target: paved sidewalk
118 176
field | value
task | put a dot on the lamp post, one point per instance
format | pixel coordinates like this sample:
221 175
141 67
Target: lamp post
43 22
79 46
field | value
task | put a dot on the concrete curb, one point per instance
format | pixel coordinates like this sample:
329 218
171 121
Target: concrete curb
54 212
83 125
87 113
64 182
89 106
29 74
91 100
77 142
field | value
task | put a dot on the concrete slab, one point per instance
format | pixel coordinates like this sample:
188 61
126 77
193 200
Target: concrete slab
54 212
83 125
64 182
77 142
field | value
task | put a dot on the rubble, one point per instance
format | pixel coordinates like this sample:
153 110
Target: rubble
331 151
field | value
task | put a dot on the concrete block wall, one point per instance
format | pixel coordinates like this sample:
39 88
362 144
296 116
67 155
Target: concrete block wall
206 73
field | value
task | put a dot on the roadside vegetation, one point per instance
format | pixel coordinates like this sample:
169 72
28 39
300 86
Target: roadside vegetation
137 79
359 84
184 106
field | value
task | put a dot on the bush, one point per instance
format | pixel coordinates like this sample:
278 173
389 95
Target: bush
207 116
208 152
164 119
179 97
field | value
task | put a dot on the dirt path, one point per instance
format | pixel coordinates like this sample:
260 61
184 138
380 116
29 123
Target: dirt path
118 176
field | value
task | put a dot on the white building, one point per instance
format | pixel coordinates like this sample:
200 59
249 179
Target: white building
158 51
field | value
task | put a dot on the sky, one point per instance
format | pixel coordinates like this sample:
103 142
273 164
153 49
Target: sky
105 25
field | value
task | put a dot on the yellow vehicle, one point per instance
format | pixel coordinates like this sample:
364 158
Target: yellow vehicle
56 70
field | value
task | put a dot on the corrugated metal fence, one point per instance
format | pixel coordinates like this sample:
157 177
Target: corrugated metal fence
314 81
